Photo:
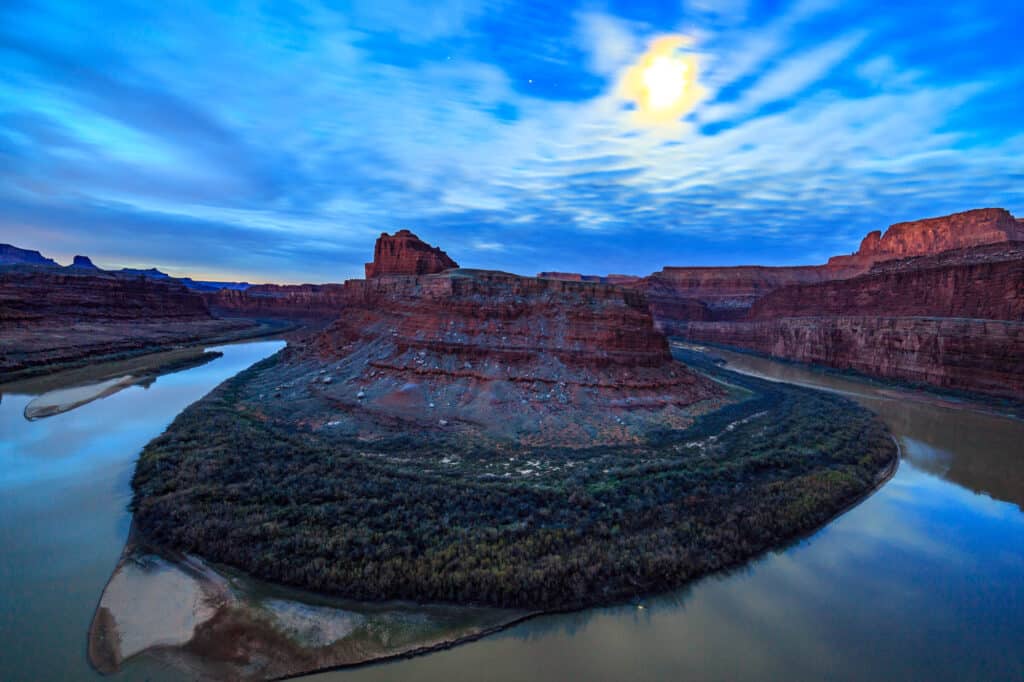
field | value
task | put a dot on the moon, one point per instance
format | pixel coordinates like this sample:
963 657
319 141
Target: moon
663 83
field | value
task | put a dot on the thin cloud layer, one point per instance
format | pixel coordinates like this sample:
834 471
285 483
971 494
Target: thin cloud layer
275 144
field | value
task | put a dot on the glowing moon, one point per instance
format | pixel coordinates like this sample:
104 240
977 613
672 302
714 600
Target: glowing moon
662 83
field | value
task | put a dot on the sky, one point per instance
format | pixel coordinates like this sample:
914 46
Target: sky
274 141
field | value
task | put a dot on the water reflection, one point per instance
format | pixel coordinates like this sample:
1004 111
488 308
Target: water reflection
924 580
975 449
65 391
64 491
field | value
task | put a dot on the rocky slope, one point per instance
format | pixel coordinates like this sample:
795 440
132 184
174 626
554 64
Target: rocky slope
403 253
491 355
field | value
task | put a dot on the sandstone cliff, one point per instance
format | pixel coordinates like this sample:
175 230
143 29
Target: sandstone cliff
480 354
983 285
53 317
403 253
726 293
937 301
954 320
299 301
980 356
935 235
49 294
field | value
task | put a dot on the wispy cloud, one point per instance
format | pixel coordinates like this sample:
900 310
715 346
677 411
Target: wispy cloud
273 137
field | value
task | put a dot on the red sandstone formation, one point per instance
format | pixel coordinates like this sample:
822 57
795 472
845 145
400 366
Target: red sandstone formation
980 356
954 320
406 254
989 286
937 301
50 295
488 354
676 293
935 235
52 316
292 302
720 293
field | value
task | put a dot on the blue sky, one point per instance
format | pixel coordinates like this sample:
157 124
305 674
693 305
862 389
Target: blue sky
274 141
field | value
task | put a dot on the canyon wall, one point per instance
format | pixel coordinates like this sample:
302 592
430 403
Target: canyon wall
719 293
52 318
966 286
293 302
980 356
45 295
954 320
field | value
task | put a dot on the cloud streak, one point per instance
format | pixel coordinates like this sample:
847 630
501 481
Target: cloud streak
494 129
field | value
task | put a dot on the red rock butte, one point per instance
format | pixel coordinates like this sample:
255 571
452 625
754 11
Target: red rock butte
475 353
403 253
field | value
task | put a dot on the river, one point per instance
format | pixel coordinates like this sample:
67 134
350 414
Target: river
923 580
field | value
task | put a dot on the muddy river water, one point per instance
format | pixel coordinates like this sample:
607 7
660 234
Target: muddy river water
923 580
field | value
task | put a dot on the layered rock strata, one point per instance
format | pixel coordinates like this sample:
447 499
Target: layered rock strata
935 235
286 301
493 355
978 356
52 317
954 321
403 253
51 294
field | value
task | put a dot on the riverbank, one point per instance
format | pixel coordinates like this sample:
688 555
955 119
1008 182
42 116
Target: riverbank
216 637
39 350
917 391
214 623
886 578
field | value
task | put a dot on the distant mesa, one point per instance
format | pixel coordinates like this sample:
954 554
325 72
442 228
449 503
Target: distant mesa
403 253
577 277
83 262
932 236
148 272
12 255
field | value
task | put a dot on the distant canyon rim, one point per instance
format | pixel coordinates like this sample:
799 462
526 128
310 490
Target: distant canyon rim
936 302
